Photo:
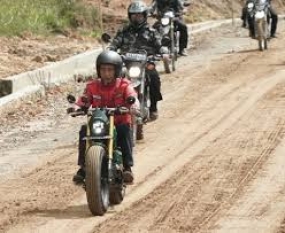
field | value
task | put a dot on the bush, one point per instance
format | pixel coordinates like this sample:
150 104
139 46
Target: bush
42 16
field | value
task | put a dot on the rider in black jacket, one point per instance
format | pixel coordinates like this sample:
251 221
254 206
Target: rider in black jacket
138 34
161 6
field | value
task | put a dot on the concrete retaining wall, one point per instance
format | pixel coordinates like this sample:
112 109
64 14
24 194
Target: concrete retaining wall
24 84
55 73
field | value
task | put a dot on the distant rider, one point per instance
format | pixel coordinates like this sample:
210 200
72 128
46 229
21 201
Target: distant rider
161 6
273 17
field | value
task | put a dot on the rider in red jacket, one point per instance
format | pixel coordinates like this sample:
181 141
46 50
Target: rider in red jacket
100 93
109 90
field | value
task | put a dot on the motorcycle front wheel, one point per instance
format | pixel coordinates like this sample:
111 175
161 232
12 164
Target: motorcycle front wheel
166 65
173 61
97 186
262 35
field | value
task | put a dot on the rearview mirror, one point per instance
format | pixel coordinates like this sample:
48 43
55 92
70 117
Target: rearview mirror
131 100
106 37
186 4
71 99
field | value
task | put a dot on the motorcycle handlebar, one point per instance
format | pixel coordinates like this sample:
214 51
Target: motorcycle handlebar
156 57
77 113
111 111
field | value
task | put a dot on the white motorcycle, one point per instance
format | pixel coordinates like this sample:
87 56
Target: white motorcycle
258 14
166 27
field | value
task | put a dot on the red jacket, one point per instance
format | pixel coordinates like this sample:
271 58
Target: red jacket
111 95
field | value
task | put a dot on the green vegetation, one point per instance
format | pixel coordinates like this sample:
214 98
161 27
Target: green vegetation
46 16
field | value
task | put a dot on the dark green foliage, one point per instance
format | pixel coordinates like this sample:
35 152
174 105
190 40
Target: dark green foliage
44 16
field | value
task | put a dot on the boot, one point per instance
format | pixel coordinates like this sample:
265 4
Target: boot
128 175
79 177
153 115
182 52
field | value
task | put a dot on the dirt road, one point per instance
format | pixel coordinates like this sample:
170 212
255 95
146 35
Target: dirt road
212 162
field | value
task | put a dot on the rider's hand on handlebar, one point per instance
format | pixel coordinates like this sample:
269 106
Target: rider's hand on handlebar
135 111
111 48
122 110
70 110
75 112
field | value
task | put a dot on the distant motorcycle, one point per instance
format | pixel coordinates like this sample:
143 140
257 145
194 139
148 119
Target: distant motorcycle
104 181
166 27
258 15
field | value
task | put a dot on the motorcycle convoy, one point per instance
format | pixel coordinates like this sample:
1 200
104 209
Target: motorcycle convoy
104 182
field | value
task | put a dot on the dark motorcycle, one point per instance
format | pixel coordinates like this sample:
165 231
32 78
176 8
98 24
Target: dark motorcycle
167 28
104 182
135 63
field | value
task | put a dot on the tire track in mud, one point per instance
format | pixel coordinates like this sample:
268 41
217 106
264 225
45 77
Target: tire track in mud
264 59
26 208
38 189
148 180
205 95
221 95
195 116
194 207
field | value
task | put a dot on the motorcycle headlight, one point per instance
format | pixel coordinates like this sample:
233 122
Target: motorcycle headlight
98 127
250 5
259 15
165 21
134 72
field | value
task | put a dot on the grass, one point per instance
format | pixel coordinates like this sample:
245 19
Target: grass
45 16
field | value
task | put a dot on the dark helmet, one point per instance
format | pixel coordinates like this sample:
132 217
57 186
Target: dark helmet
137 7
109 57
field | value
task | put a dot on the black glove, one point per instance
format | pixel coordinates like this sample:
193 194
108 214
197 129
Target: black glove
121 110
111 48
70 110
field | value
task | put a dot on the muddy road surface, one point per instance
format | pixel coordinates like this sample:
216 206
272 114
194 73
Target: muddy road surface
213 161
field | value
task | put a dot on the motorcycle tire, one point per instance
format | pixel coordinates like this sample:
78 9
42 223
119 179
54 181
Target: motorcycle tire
261 35
97 186
173 61
140 135
166 66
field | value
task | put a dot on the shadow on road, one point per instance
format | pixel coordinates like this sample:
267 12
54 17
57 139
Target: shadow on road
248 51
72 212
